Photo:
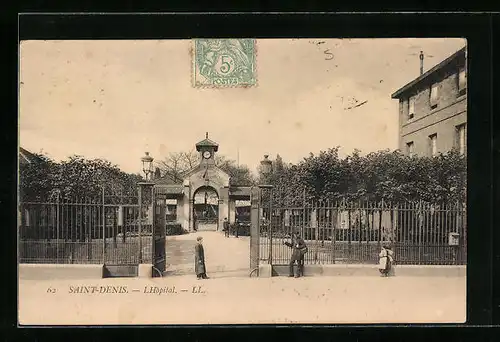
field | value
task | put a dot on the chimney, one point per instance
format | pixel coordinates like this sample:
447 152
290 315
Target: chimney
421 62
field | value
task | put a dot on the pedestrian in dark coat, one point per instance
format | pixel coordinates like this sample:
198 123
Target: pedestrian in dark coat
199 259
237 227
226 227
299 249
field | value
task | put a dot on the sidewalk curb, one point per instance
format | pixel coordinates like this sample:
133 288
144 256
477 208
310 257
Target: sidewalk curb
60 271
367 270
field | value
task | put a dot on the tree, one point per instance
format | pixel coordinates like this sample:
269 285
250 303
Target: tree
74 178
78 180
176 164
240 175
36 179
382 175
78 177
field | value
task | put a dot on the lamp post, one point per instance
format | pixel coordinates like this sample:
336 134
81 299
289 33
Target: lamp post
147 165
267 166
147 168
266 169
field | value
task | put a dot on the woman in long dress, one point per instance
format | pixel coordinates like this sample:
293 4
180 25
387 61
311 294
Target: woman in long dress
385 260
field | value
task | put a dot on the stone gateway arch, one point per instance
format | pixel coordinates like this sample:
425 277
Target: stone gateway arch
205 196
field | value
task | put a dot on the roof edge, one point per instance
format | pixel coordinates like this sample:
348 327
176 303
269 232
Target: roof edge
27 155
432 70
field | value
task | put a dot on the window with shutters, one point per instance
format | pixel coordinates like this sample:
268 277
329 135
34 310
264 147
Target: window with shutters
434 95
411 107
410 148
462 82
433 145
461 140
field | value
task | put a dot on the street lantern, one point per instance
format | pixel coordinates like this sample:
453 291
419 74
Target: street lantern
147 168
147 165
266 165
266 168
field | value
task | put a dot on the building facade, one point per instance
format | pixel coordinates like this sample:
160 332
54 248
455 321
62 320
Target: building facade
204 197
26 157
433 109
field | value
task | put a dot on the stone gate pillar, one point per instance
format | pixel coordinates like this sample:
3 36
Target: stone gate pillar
149 214
189 207
179 210
232 211
186 208
254 228
223 206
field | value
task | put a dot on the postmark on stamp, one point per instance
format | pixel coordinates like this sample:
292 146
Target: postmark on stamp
224 63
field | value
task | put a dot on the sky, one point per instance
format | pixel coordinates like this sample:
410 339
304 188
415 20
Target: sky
117 99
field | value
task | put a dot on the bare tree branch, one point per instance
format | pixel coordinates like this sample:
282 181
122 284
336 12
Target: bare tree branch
176 164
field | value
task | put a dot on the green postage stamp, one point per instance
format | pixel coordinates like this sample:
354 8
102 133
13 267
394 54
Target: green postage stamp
224 63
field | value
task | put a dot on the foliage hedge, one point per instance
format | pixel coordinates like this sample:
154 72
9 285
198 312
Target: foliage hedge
387 175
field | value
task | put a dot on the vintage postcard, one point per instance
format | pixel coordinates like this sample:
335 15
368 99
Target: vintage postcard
242 181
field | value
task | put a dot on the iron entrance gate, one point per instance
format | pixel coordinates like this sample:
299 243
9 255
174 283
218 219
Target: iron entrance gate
159 234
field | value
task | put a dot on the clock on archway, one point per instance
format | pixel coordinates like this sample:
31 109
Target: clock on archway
207 154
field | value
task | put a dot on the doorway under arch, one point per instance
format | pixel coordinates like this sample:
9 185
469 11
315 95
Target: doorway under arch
206 209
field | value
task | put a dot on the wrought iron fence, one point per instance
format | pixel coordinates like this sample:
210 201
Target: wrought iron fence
353 232
90 231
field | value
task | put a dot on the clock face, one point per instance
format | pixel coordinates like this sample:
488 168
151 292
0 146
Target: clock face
207 154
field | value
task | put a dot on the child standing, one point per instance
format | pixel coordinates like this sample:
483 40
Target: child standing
385 260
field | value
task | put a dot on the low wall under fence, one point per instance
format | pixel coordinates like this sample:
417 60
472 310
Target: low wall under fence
420 233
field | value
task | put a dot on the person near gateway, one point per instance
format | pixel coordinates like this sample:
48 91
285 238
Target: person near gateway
237 228
299 249
385 260
199 259
195 221
226 227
